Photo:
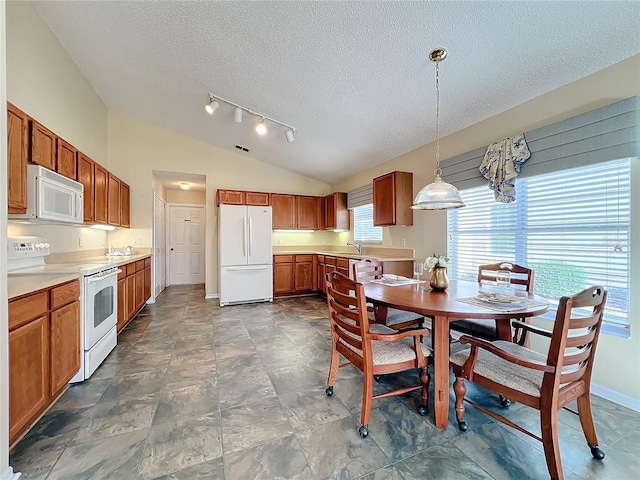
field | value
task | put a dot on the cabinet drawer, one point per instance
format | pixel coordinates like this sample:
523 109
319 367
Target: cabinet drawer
130 268
147 262
123 272
139 265
320 258
342 262
283 259
304 258
330 260
25 309
67 293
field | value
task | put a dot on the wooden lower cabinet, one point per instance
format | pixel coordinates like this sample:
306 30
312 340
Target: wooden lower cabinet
28 374
122 303
139 289
293 274
282 277
130 296
303 273
44 351
134 289
64 345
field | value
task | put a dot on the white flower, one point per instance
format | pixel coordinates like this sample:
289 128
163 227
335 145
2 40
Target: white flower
442 262
430 262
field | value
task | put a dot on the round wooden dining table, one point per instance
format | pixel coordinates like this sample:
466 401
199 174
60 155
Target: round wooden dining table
444 307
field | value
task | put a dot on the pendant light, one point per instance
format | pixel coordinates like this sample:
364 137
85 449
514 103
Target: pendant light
438 195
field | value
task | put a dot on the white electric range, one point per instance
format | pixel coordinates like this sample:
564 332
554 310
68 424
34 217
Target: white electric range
98 297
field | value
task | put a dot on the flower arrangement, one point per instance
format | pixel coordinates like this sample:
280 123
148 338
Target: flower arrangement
435 260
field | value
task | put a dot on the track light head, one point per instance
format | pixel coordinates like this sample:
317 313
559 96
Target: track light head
237 115
212 107
261 128
290 136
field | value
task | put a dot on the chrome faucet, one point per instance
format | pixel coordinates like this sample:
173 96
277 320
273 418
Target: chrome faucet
357 246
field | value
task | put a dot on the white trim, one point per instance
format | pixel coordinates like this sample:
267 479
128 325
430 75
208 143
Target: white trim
616 397
9 474
210 296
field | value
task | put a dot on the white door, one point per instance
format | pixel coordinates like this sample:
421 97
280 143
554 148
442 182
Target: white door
159 245
259 234
186 244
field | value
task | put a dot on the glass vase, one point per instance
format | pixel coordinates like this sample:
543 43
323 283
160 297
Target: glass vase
439 279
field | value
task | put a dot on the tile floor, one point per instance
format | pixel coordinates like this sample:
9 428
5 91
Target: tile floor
195 391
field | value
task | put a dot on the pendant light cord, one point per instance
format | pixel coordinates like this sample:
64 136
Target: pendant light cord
438 171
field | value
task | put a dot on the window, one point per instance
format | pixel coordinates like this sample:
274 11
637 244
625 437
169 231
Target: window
364 231
572 227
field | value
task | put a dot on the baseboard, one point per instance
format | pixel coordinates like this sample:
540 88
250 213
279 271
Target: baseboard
210 296
616 397
9 474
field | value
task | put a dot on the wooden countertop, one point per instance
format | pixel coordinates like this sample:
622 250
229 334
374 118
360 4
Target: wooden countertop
18 285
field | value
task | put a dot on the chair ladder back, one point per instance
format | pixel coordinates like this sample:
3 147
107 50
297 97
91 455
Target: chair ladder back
520 275
575 335
367 269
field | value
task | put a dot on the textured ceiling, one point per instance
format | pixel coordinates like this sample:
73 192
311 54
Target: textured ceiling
172 180
353 77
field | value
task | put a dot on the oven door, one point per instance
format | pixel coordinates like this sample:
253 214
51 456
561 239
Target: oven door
100 306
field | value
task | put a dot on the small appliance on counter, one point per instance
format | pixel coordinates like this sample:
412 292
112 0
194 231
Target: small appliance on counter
98 297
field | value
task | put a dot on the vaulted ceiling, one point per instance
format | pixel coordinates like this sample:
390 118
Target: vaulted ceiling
353 78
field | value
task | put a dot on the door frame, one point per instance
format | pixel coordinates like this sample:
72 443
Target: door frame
168 236
154 242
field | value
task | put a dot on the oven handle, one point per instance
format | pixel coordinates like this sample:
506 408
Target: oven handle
89 280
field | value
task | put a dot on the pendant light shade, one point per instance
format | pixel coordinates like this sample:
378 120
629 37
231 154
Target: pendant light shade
438 195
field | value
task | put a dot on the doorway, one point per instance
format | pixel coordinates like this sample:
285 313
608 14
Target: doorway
159 245
186 246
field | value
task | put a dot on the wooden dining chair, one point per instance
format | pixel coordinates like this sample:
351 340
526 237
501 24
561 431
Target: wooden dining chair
369 269
544 382
521 278
372 348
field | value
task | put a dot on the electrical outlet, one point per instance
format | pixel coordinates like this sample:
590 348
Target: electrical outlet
80 242
136 241
278 241
103 241
389 242
404 242
324 241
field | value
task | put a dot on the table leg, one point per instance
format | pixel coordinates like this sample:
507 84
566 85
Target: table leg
441 370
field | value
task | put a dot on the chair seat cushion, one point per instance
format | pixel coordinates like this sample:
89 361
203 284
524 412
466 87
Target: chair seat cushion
479 328
503 372
395 316
387 353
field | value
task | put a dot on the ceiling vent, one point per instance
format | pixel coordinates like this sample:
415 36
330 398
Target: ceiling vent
240 147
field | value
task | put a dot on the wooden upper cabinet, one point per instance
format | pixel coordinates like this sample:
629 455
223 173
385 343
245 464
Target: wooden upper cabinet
308 212
125 205
336 215
392 199
230 197
67 163
101 195
113 210
259 199
284 211
86 177
43 146
17 153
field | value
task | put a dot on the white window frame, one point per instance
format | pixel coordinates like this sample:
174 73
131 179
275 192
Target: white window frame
363 229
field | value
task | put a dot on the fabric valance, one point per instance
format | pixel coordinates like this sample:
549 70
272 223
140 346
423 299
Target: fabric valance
360 196
607 133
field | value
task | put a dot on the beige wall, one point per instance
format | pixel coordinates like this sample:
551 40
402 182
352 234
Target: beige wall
428 233
192 197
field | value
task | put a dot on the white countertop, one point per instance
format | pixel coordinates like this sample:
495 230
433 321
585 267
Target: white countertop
355 256
18 285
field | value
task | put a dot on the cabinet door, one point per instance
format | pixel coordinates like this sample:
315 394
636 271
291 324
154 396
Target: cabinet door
308 212
67 163
125 207
28 374
130 296
113 200
43 146
122 304
139 289
321 278
330 212
258 199
101 177
147 283
64 345
303 276
384 194
230 197
17 150
283 211
282 278
86 177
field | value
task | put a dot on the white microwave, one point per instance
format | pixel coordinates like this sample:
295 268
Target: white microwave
52 197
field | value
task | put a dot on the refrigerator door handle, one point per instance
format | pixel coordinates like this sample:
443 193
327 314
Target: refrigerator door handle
244 236
250 241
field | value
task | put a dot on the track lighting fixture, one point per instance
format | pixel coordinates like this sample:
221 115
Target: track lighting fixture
261 127
212 106
289 135
237 115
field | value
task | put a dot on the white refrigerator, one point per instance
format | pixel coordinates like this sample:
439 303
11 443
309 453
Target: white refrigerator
244 254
